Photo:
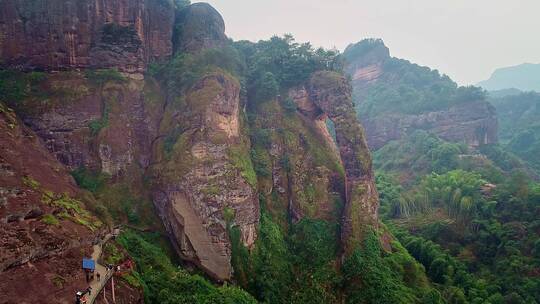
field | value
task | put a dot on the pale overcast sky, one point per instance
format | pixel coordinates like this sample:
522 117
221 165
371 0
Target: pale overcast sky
465 39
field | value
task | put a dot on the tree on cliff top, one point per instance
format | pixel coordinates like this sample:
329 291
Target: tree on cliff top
289 62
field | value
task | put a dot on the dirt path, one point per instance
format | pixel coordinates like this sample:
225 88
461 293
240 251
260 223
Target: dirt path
96 285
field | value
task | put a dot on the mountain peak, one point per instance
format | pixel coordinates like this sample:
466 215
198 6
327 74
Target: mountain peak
525 77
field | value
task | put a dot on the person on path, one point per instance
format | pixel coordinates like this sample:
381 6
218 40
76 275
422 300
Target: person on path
98 276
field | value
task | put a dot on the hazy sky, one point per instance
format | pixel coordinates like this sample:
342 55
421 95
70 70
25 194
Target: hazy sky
465 39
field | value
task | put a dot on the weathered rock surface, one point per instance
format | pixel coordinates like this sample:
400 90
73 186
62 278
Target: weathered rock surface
325 180
473 122
206 180
193 148
106 126
41 245
332 94
313 184
114 125
199 26
60 34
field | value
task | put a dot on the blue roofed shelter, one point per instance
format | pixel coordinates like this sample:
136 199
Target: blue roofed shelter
88 264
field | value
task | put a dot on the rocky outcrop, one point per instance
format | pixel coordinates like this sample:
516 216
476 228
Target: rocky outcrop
331 93
199 26
44 228
60 34
121 124
474 123
369 64
306 176
339 189
190 143
206 180
96 121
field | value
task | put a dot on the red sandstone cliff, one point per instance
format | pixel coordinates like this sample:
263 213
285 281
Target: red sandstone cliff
64 34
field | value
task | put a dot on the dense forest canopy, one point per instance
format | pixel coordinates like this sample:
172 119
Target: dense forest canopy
519 125
469 215
470 219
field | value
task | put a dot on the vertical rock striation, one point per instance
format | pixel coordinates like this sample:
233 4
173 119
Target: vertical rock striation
206 180
60 34
193 147
331 92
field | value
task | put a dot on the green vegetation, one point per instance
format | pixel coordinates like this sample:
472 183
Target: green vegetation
242 161
419 153
68 207
164 282
59 281
314 246
519 126
469 216
103 76
405 87
99 124
120 202
475 232
50 219
270 264
72 209
185 69
16 86
300 265
31 182
89 180
113 254
275 65
374 276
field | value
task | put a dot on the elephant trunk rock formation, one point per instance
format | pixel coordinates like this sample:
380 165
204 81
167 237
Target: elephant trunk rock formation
331 93
187 150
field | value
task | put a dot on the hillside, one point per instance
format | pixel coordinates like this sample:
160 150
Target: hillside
214 159
524 77
519 117
394 98
221 147
462 204
46 226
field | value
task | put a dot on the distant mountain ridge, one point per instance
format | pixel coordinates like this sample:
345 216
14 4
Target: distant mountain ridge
525 77
395 97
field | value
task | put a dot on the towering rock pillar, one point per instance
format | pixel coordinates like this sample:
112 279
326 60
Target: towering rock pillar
206 182
331 92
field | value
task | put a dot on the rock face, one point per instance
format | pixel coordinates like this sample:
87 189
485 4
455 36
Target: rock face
327 95
41 241
473 122
332 94
101 124
114 123
206 180
194 146
60 34
199 26
300 172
